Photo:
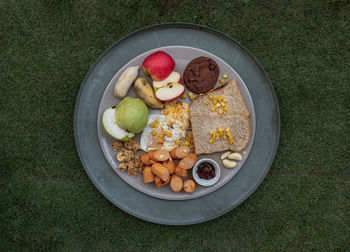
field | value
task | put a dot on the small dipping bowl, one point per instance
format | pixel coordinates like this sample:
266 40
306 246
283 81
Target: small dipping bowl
206 182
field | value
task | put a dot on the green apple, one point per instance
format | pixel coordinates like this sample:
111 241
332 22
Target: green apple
111 127
131 114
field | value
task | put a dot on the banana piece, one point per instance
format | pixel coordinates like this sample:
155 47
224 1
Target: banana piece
235 156
125 81
146 93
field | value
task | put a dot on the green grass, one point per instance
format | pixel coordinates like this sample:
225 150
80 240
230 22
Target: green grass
47 202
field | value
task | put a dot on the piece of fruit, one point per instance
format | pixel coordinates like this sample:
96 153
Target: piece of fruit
159 65
125 81
170 88
174 77
170 92
111 127
131 114
145 91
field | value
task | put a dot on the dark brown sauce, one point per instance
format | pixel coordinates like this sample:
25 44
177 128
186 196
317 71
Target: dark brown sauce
206 171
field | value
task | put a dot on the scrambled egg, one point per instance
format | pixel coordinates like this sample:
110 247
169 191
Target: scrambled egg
162 132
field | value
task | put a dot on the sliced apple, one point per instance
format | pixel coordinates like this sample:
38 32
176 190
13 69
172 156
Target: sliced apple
170 92
173 77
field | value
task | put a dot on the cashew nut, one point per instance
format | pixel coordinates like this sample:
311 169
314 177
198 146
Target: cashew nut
225 155
235 156
229 164
125 81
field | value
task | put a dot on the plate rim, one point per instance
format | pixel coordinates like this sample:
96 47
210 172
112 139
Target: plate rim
276 134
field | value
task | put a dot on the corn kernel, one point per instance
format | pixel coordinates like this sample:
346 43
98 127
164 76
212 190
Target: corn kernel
217 134
224 100
218 105
220 111
152 125
154 132
220 97
156 121
169 134
232 142
227 129
215 102
213 108
211 140
220 129
211 97
222 81
160 140
187 143
224 76
184 96
221 133
212 132
156 125
178 142
225 109
225 137
208 103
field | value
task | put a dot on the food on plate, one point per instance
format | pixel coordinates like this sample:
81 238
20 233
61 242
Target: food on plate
170 165
117 145
131 114
179 152
125 81
189 185
128 160
179 111
159 182
201 74
160 171
237 124
145 159
206 170
159 65
132 145
225 155
162 132
191 95
229 94
229 163
159 155
188 161
145 91
235 156
170 88
176 183
111 127
181 172
148 176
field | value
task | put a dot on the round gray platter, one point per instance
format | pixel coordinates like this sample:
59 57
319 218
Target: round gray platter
177 212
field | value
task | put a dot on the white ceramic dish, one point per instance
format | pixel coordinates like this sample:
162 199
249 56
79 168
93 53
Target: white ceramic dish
206 182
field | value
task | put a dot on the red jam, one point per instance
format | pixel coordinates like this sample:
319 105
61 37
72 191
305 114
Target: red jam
206 171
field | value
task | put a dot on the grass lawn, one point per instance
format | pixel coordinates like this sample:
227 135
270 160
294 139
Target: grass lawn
47 201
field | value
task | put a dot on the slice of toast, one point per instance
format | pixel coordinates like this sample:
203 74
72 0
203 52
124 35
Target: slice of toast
230 91
240 129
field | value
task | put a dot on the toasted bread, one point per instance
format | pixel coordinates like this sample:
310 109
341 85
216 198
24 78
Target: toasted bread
230 91
240 129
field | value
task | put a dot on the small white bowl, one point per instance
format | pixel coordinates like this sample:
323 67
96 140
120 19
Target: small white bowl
206 182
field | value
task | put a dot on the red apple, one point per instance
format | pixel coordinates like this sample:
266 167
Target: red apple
159 65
